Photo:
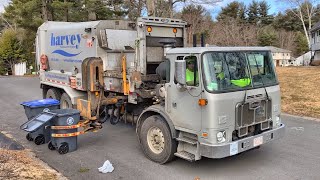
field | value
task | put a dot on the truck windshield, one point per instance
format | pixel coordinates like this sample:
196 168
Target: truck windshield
232 71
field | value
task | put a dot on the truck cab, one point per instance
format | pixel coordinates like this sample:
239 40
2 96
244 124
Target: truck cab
232 105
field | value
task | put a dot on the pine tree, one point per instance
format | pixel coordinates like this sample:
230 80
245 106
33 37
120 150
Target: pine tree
11 50
253 12
234 10
265 18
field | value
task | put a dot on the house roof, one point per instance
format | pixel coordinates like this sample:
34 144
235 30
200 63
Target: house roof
278 50
315 27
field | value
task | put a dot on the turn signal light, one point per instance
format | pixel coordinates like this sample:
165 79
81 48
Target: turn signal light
202 102
204 134
149 28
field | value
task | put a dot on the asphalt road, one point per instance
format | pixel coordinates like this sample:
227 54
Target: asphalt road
296 156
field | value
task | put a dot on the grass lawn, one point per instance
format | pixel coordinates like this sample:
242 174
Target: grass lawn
300 90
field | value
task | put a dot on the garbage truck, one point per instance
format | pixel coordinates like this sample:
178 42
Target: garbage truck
189 102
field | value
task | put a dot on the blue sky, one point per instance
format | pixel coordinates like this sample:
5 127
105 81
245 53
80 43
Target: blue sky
276 6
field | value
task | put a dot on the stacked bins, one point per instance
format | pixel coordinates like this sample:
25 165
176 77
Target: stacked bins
64 117
34 108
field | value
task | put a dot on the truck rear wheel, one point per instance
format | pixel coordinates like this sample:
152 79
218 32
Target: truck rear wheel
156 141
65 101
53 93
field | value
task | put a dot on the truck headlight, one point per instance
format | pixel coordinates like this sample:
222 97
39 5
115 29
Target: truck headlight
277 121
221 136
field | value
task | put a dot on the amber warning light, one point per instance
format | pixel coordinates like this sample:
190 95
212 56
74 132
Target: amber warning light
149 29
175 30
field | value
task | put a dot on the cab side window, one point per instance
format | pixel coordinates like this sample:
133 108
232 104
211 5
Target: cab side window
192 74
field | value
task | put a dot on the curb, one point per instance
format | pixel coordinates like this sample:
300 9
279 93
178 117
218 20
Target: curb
304 117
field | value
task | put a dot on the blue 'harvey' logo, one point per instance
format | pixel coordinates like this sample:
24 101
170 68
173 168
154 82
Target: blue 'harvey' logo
66 41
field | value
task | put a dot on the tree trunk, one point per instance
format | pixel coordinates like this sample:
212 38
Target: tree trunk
151 7
304 27
171 8
66 11
44 10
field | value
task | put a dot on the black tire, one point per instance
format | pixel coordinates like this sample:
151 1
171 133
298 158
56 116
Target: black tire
40 139
53 93
28 137
51 146
63 148
103 115
44 93
170 145
65 101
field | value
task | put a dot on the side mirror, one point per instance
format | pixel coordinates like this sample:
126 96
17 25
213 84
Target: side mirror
180 71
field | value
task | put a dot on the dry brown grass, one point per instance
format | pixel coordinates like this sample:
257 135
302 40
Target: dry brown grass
22 164
300 90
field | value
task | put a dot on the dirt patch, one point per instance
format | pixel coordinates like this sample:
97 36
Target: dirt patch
23 165
300 90
19 163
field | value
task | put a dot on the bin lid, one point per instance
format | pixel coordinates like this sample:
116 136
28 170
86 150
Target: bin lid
41 103
37 122
64 112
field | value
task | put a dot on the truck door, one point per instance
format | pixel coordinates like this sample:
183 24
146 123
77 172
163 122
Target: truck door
182 103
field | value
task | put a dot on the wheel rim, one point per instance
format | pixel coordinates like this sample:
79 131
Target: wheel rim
155 140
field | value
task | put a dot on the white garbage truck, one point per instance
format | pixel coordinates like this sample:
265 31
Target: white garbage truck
189 102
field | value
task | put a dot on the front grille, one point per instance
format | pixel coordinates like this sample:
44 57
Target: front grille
253 113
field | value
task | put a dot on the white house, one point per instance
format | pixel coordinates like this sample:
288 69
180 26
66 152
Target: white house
304 59
315 41
282 57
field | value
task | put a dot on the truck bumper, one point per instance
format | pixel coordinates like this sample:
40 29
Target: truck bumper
235 147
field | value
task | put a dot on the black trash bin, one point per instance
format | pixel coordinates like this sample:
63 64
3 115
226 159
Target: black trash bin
34 108
64 117
38 128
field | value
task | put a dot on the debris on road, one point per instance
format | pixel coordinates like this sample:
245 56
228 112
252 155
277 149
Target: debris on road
106 167
298 128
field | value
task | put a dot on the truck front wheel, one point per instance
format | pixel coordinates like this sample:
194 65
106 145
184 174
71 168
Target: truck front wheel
65 101
156 141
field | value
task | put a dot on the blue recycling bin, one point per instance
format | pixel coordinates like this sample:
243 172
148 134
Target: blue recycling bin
32 110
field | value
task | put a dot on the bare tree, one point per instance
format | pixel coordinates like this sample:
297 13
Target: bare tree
167 6
151 8
135 8
232 33
304 10
172 3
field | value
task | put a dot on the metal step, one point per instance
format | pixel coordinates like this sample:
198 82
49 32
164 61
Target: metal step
185 155
187 140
